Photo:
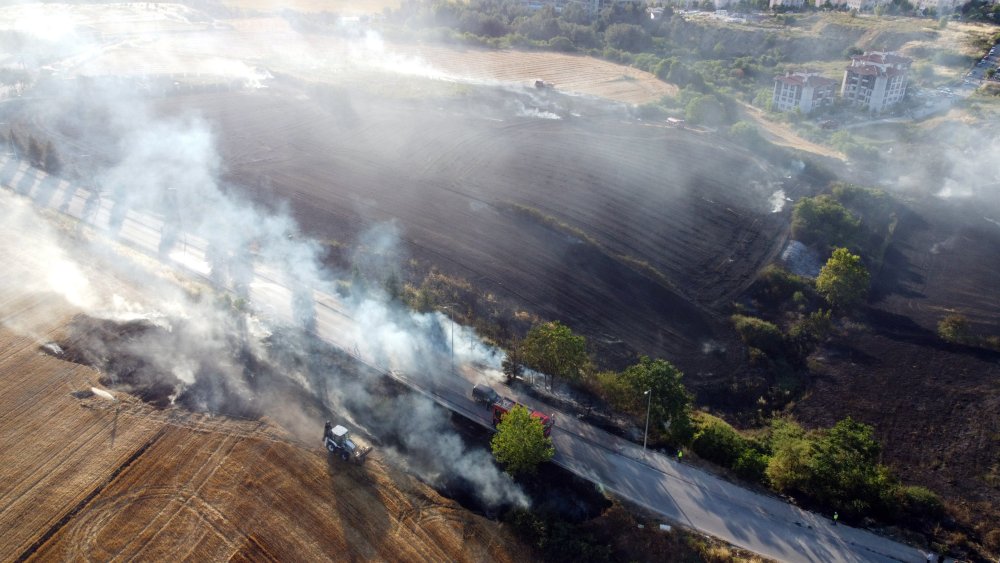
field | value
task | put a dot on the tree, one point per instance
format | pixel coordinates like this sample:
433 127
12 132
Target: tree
788 468
512 364
843 281
823 220
520 443
705 109
553 349
626 37
670 406
51 163
745 133
36 154
845 472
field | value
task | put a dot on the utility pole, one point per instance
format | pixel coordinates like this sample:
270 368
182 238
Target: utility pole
645 434
448 308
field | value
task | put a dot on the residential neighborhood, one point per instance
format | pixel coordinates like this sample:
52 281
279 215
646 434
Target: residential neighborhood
874 81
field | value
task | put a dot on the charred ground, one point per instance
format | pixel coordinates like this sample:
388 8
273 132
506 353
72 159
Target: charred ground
631 232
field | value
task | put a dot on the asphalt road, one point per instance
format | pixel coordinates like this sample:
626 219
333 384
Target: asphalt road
683 494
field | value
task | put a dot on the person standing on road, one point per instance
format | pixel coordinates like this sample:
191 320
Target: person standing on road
835 518
680 454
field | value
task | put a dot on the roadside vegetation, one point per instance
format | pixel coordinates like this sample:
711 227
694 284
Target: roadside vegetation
520 443
620 533
39 153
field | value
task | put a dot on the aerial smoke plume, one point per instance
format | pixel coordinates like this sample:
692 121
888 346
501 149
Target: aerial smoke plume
140 168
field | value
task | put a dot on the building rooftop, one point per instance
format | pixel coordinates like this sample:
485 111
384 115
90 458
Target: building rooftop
881 58
805 79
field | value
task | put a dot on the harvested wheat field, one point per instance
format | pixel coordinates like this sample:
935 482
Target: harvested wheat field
88 474
567 73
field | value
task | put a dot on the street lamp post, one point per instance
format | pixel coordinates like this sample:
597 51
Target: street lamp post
648 404
448 308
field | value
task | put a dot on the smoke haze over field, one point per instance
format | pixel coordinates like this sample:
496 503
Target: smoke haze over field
249 141
168 167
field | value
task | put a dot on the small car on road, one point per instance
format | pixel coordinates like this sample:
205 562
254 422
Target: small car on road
484 394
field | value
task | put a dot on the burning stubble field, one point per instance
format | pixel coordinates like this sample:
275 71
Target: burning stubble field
88 478
632 232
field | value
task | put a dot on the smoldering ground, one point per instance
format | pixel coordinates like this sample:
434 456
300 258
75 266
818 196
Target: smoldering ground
211 351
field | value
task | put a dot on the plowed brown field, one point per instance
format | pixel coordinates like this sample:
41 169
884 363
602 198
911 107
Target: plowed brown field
86 478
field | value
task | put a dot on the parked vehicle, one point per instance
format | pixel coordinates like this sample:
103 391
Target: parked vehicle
483 394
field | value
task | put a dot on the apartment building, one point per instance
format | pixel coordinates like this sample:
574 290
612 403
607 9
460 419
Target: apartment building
803 90
875 80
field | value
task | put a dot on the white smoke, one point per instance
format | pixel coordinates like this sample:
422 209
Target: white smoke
35 258
169 169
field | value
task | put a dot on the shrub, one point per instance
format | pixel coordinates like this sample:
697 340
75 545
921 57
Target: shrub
992 539
815 327
715 440
614 390
955 328
776 285
561 43
871 203
788 467
823 220
920 502
746 134
752 464
843 281
758 333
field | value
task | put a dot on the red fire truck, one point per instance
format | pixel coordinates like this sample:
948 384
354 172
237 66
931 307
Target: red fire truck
503 405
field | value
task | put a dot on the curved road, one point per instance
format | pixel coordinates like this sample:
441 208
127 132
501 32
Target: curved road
683 494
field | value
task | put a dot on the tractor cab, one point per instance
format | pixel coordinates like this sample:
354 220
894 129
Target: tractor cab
338 439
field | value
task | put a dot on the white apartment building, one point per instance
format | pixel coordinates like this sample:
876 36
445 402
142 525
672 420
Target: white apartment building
803 90
875 80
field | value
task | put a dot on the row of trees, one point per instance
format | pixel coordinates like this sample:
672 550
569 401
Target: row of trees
835 467
556 351
39 154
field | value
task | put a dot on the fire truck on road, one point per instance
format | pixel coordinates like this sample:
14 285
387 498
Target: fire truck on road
500 406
